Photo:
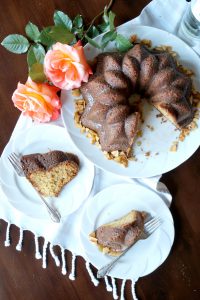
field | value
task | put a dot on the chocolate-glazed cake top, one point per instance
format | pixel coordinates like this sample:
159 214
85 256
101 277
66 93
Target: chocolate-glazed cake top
45 161
119 237
153 74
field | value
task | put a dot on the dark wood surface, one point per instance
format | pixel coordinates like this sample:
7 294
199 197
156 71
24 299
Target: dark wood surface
21 275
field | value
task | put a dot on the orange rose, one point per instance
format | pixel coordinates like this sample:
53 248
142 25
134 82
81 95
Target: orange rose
66 66
37 100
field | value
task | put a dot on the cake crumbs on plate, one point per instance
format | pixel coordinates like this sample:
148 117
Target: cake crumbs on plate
139 133
133 158
133 38
150 127
148 153
135 102
174 146
159 115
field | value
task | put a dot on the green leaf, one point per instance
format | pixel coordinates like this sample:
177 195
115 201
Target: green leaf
61 19
78 21
104 27
36 54
36 72
16 43
93 32
61 34
45 37
122 43
108 37
52 34
92 42
32 32
111 17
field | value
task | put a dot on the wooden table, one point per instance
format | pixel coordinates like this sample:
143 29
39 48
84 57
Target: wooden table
21 275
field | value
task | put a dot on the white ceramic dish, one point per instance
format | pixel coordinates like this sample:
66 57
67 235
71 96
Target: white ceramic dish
20 193
156 142
114 202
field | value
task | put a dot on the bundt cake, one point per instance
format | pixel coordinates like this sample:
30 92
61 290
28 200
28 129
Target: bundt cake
153 74
113 238
49 172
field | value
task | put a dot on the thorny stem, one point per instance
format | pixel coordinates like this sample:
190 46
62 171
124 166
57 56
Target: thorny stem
92 22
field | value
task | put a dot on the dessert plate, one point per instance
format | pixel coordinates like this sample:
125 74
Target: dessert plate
114 202
20 193
152 149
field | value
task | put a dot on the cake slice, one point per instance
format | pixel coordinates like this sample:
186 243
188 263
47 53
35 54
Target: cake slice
49 172
113 238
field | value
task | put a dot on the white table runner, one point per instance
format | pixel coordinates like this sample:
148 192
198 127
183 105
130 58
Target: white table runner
160 14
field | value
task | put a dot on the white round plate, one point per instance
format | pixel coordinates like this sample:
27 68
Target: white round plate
154 143
114 202
20 193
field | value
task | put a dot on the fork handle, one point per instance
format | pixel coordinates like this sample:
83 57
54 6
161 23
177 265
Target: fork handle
107 268
54 214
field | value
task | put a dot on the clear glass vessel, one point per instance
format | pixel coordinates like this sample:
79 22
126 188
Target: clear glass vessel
189 29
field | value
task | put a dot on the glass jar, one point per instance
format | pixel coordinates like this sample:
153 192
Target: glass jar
189 29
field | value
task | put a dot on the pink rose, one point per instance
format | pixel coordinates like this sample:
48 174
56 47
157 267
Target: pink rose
66 66
37 100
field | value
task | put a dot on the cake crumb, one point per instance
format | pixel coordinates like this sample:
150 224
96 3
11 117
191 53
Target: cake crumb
146 42
150 127
147 154
115 153
139 133
174 146
133 38
159 115
133 158
139 143
105 250
93 239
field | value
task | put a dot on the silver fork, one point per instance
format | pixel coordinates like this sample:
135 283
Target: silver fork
14 159
149 228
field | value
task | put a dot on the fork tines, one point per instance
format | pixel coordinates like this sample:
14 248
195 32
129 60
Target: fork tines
152 224
15 161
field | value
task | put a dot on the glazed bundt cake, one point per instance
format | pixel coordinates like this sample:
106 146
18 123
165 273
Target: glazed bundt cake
153 74
113 238
49 172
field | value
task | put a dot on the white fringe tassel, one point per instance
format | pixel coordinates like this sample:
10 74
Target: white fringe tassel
108 286
122 289
64 269
7 241
72 274
93 279
44 254
55 257
37 252
19 245
133 290
114 288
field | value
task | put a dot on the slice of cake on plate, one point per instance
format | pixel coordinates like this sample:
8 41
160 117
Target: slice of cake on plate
49 172
114 237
